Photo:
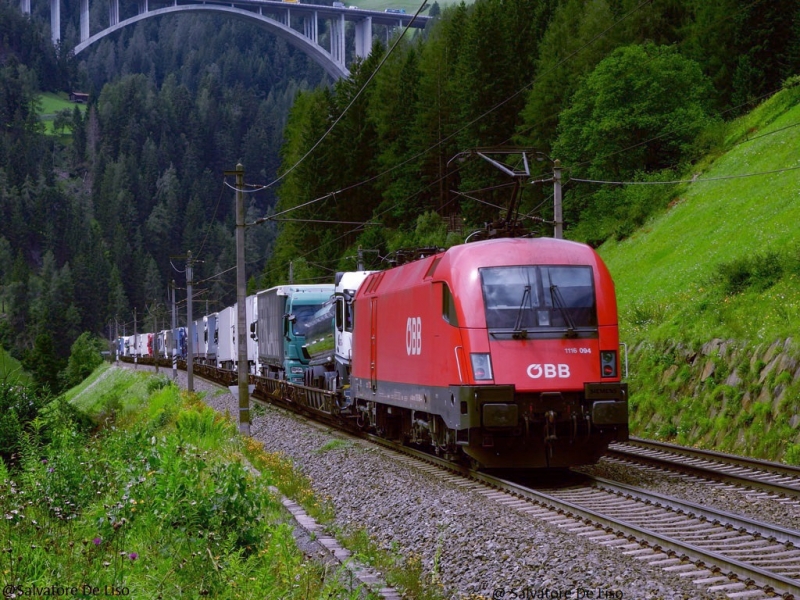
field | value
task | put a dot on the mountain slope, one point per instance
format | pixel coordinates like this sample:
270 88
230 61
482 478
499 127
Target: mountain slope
709 295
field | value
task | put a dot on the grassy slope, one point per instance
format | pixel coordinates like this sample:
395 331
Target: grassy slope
672 298
670 262
11 370
53 103
158 501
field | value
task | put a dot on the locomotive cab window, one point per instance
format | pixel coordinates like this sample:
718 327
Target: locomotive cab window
348 310
340 308
448 306
540 299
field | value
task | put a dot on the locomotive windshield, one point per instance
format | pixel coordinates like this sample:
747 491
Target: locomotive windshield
539 299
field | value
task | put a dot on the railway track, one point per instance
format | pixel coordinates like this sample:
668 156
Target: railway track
731 550
774 478
720 552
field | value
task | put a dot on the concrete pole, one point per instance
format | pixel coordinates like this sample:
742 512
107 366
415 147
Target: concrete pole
135 342
116 335
85 29
55 20
174 337
189 342
557 217
241 308
155 340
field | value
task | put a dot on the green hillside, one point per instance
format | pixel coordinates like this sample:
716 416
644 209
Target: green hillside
52 104
709 295
11 370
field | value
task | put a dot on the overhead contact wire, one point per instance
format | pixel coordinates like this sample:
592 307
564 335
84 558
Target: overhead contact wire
458 131
358 94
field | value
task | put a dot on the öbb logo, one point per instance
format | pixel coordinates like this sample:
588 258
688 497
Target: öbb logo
414 335
548 371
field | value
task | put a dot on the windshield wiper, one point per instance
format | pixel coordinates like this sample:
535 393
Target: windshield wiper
558 301
519 333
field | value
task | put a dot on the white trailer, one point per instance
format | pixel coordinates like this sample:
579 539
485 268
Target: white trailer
251 316
210 339
227 349
128 348
198 349
144 344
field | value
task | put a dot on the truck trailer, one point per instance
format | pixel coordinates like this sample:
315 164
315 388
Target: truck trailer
283 316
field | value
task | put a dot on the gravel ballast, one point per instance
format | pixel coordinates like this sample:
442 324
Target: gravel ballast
472 546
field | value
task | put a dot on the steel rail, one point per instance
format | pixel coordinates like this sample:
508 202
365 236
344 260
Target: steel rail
772 582
760 474
767 530
713 455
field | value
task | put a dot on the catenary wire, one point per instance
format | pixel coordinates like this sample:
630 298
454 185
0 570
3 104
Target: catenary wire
677 181
352 101
457 132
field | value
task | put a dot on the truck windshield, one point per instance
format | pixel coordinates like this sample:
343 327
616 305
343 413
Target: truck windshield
321 322
539 298
303 316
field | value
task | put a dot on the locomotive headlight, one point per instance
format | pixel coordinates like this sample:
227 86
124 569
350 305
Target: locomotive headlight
482 366
608 363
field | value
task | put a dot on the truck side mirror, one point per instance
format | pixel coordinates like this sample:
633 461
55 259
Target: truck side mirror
287 319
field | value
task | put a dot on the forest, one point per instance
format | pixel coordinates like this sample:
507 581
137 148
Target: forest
94 221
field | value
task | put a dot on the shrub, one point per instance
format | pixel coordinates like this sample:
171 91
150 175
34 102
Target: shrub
19 405
156 383
647 313
84 358
792 456
758 271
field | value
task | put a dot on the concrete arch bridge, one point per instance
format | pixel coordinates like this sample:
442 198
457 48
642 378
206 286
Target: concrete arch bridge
295 22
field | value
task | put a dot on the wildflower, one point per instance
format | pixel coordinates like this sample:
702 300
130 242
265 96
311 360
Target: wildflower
97 541
133 556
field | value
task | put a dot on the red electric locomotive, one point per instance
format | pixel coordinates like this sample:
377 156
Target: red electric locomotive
506 351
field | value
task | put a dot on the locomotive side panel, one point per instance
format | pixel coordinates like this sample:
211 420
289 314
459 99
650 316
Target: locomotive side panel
500 348
401 335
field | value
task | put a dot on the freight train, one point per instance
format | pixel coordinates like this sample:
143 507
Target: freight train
501 353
